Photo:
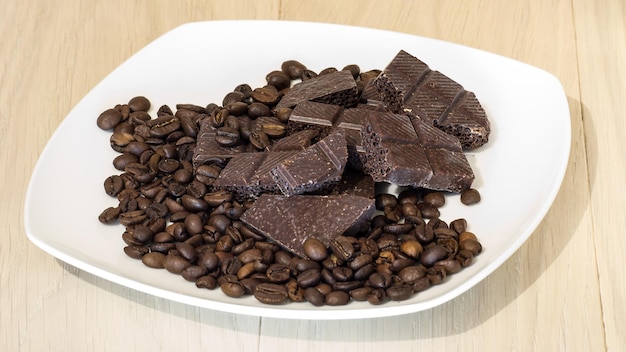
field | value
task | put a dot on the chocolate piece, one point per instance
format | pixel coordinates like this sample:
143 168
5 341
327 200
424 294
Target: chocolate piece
207 149
315 116
410 152
248 174
407 85
316 168
289 221
351 121
337 88
297 141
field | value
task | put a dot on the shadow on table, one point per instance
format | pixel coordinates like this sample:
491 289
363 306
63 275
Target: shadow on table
464 313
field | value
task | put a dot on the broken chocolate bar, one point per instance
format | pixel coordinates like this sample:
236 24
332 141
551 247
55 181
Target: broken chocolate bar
407 85
289 221
297 141
336 88
410 152
315 116
318 167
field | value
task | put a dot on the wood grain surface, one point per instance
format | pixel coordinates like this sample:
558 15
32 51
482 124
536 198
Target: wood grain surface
563 290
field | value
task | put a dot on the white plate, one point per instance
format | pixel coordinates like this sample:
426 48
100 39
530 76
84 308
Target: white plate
518 173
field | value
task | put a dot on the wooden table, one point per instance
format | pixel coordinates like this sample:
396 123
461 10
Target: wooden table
563 290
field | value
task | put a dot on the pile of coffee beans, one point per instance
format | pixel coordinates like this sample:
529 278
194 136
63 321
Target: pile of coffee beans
175 220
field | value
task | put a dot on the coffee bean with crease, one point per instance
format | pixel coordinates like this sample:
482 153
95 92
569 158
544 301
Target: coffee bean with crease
270 293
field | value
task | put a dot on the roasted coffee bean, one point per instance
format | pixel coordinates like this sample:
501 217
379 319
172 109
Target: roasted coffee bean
141 233
465 257
233 289
282 257
231 266
466 235
108 119
136 252
163 125
411 274
209 260
359 261
282 114
400 263
347 286
122 160
309 278
109 215
399 292
278 273
193 224
328 70
411 248
377 296
175 264
227 136
470 196
380 280
267 95
471 245
153 260
410 210
436 199
361 293
274 130
218 116
246 270
450 244
187 251
250 255
256 109
168 165
139 103
308 74
233 97
342 273
113 185
295 293
279 79
428 211
354 69
451 265
259 140
365 271
383 200
314 296
459 226
132 217
156 210
337 298
193 273
140 172
298 265
398 229
270 293
436 274
238 108
293 69
207 281
195 241
433 254
315 249
163 247
194 204
342 248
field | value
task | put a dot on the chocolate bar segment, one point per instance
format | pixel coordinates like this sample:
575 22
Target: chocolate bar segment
410 152
289 221
336 88
315 116
352 121
297 141
407 85
316 168
247 175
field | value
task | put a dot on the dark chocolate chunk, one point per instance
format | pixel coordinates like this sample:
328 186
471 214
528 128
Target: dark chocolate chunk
356 183
248 174
409 152
315 116
352 121
407 85
297 141
336 88
289 221
316 168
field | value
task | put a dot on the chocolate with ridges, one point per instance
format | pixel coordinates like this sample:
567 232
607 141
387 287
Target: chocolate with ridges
318 167
336 88
289 221
408 86
410 152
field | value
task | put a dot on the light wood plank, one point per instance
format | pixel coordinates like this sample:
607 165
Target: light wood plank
601 37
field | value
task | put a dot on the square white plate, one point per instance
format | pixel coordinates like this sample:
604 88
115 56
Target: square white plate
518 172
